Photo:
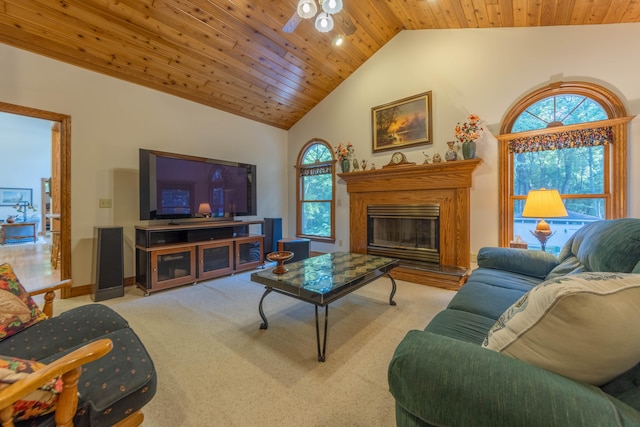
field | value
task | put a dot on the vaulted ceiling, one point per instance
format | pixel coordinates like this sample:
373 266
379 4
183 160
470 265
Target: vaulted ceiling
234 55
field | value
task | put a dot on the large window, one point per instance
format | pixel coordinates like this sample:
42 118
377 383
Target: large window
315 191
570 137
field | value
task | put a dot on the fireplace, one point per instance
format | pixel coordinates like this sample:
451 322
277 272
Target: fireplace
407 232
385 204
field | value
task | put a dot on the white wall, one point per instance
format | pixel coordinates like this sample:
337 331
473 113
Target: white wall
111 120
480 71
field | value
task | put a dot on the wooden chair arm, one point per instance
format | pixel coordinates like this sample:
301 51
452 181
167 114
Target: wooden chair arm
69 367
49 294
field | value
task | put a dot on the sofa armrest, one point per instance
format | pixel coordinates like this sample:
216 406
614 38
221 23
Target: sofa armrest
69 367
446 382
521 261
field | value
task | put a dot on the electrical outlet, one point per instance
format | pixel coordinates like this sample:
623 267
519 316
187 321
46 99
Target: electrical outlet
104 203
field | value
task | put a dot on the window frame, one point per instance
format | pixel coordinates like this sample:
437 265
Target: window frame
299 202
615 154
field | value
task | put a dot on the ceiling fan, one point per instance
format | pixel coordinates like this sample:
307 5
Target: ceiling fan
307 9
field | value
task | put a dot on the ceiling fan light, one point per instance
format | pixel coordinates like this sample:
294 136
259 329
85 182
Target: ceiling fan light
307 8
332 6
324 22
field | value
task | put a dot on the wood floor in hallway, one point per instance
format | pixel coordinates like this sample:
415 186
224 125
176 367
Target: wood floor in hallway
31 262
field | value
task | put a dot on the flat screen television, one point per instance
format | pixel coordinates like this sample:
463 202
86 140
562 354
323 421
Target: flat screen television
174 186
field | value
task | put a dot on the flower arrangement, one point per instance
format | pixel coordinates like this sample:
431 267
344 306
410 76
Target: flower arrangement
344 151
470 130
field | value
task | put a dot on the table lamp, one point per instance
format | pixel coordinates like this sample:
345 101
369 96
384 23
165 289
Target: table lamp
542 204
204 209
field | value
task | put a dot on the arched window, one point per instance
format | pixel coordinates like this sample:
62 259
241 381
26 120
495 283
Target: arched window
315 210
568 136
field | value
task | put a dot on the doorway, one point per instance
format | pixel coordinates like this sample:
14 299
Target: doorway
60 183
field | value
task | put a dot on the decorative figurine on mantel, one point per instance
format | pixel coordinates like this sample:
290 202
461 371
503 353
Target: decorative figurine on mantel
427 158
437 158
373 167
451 154
364 165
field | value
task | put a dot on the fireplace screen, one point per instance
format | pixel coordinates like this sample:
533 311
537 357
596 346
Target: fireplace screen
409 232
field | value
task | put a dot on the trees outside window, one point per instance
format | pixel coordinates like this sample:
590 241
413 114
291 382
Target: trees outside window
315 211
570 137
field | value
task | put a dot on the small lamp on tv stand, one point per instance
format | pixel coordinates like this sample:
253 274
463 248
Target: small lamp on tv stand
205 210
542 204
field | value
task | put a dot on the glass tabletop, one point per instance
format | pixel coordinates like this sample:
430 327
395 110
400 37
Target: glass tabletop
326 274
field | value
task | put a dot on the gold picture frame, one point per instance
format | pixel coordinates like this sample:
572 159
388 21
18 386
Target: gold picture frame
403 123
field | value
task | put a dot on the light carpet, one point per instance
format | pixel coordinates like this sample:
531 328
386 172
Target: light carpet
217 368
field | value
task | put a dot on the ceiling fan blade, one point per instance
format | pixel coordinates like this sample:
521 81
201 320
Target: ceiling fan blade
292 23
348 27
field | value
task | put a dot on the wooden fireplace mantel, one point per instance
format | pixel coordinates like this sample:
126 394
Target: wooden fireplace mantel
447 184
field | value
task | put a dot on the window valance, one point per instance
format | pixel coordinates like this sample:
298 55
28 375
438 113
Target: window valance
564 139
315 170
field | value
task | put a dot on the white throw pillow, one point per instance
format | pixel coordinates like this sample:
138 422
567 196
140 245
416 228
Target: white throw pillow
583 326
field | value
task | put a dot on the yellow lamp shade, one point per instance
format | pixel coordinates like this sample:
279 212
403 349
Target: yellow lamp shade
544 203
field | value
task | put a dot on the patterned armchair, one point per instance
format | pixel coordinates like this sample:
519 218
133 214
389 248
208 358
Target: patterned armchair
52 369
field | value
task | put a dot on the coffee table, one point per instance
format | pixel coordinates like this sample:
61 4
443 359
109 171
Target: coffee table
323 279
29 233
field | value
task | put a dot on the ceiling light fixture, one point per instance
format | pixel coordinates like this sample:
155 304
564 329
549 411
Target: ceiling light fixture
324 22
307 8
338 40
332 6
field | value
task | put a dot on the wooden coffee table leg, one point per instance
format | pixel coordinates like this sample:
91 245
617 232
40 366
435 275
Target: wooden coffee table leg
322 353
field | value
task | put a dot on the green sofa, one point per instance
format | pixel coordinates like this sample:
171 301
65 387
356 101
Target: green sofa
442 376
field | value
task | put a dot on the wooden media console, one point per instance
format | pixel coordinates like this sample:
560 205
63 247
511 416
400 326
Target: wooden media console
174 255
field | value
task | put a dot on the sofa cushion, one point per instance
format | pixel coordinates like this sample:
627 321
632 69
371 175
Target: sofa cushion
626 387
504 279
17 309
608 245
569 326
40 401
485 299
461 325
117 384
70 329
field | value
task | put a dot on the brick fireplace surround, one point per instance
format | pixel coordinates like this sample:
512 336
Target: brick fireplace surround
447 184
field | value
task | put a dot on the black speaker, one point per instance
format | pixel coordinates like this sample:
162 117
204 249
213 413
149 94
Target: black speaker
108 269
272 233
301 248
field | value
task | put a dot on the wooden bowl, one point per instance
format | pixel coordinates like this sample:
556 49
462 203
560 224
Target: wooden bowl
280 257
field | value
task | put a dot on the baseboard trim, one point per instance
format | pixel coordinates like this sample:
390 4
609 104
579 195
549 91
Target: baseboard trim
77 291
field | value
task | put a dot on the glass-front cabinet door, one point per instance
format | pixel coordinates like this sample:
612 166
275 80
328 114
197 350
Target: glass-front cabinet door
215 259
249 252
172 267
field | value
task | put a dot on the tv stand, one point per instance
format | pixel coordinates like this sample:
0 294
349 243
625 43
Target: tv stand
178 254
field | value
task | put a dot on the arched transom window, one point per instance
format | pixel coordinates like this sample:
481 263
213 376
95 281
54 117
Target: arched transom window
315 210
570 137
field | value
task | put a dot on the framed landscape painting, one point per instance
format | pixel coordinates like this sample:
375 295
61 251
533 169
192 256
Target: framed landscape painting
402 123
11 196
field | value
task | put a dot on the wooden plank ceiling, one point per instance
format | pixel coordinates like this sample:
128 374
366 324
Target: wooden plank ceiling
233 54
